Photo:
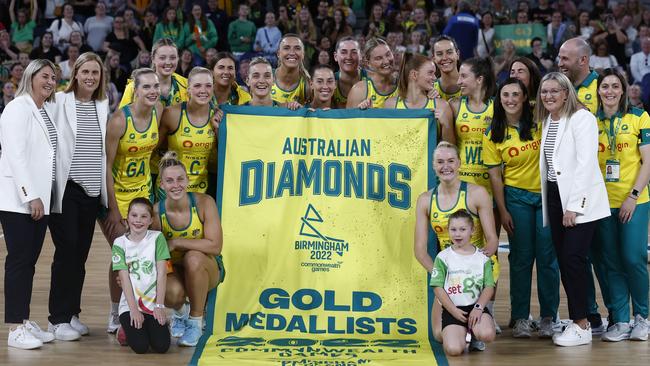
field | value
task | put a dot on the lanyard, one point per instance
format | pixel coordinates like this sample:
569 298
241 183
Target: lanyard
611 134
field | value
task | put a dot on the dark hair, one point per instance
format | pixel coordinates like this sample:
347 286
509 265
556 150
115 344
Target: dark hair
460 215
623 104
446 38
141 201
533 41
499 123
411 61
177 22
535 75
191 22
320 67
482 66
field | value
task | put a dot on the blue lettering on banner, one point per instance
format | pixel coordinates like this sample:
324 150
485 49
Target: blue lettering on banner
311 299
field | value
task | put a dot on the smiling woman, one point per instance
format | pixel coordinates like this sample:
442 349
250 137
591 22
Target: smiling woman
81 113
28 169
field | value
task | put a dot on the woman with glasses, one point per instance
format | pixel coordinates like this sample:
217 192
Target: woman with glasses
574 197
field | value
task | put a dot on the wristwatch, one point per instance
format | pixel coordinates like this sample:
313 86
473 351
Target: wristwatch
159 306
634 194
478 306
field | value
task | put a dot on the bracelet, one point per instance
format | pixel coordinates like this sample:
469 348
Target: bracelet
159 306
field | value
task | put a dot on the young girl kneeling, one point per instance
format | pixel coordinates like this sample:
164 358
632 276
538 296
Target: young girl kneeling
140 256
463 283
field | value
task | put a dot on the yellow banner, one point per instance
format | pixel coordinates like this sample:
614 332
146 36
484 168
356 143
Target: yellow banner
318 216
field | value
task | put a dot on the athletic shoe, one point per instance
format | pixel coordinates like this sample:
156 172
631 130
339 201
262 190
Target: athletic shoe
22 338
497 328
63 332
77 325
545 328
597 325
179 318
639 329
120 335
573 335
192 333
522 329
39 333
617 332
113 322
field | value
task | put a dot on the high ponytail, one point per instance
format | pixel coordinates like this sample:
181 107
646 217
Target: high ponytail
410 62
168 160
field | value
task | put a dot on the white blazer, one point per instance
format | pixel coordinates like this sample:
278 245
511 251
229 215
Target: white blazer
575 160
65 117
27 157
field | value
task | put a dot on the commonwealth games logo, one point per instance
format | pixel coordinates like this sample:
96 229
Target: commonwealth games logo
324 250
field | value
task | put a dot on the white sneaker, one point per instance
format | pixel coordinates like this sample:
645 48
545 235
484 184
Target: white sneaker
77 325
113 322
639 329
22 338
573 335
37 332
617 332
63 332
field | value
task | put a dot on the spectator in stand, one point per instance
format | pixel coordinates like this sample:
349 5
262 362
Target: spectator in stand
501 12
376 26
148 29
634 96
540 58
241 33
220 20
635 9
123 41
599 8
644 32
117 74
98 27
415 43
542 13
463 27
23 59
185 63
645 18
435 23
420 23
615 37
639 65
522 17
201 35
131 21
268 38
46 49
16 73
8 94
341 28
349 15
504 60
67 65
485 46
631 32
285 23
51 11
77 39
601 59
256 14
566 7
210 56
62 27
170 27
556 32
143 60
522 6
583 26
8 51
322 20
306 29
22 28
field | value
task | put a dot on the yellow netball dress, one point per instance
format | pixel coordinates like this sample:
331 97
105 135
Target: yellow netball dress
297 94
338 99
193 144
193 230
401 104
439 220
444 95
378 99
131 172
238 96
470 127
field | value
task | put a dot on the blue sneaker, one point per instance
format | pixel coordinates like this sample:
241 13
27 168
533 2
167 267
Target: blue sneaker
192 333
179 318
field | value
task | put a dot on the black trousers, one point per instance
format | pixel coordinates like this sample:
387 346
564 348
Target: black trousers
72 232
24 238
572 247
151 334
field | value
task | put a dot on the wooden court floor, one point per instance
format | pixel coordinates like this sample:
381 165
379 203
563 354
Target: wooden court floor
100 348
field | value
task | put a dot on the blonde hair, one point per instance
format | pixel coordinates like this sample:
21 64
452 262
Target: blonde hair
571 104
100 92
447 145
257 61
25 85
168 160
301 67
139 72
196 71
161 43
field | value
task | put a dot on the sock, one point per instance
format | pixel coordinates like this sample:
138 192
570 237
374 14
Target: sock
114 307
197 319
182 312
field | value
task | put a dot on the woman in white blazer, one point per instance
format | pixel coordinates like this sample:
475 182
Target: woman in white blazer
574 197
81 114
29 142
